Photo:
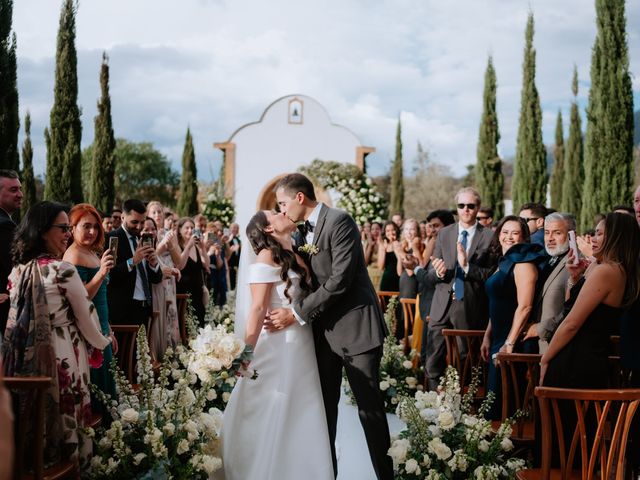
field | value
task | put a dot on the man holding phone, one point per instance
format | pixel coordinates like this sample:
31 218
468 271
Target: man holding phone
129 289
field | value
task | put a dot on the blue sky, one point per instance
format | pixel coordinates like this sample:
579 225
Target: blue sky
214 65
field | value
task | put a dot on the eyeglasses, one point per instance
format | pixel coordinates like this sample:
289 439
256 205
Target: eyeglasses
63 227
470 206
530 219
482 218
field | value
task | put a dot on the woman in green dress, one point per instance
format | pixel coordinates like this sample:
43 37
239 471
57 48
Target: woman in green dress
83 252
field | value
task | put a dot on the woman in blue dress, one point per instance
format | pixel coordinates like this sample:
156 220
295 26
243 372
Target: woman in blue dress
511 291
88 241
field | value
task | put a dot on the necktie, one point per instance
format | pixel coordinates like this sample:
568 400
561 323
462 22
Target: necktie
459 281
143 274
308 226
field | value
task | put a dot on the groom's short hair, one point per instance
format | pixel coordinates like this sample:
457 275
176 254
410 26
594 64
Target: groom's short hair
296 182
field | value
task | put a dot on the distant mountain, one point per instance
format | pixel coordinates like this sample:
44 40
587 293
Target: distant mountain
636 128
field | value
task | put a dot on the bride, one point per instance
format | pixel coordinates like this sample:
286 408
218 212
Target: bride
274 426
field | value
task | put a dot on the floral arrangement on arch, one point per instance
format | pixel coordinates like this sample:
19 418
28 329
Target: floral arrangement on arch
217 207
445 440
167 426
358 194
398 378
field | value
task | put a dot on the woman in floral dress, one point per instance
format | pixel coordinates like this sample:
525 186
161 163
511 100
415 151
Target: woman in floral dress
52 327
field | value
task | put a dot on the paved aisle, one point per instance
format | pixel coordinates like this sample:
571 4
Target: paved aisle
353 456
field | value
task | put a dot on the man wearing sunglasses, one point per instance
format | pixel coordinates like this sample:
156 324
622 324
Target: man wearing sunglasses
458 268
533 214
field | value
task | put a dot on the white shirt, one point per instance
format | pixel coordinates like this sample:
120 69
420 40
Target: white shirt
138 291
471 232
313 220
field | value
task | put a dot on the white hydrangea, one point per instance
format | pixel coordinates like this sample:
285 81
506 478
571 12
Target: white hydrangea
398 451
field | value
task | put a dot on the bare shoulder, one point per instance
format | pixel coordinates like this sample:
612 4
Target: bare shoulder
265 256
605 272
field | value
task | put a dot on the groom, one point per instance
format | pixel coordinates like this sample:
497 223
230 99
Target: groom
347 322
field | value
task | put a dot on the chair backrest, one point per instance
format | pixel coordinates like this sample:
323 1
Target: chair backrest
472 339
181 306
408 313
601 433
126 336
384 297
520 376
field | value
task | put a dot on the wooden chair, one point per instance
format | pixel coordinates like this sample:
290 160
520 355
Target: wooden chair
418 326
408 313
384 297
126 356
181 305
520 376
601 457
34 388
472 339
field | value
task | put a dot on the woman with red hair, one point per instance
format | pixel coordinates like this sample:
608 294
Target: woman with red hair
84 252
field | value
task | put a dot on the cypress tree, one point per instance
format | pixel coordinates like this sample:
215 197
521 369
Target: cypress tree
64 170
397 177
103 169
558 165
530 169
28 179
573 167
188 201
9 113
608 155
490 180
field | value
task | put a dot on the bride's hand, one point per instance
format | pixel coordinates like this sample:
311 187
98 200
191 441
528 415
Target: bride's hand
278 319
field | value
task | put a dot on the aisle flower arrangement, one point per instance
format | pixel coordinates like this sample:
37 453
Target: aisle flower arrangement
225 315
167 427
445 440
398 378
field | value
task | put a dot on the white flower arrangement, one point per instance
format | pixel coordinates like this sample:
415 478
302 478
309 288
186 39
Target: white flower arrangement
224 315
309 249
444 440
358 194
220 208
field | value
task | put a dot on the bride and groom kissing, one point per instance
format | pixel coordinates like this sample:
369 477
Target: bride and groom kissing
312 312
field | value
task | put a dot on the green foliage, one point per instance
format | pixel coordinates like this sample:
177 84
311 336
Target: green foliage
573 168
488 171
397 177
188 201
102 191
558 165
219 208
141 172
28 179
608 156
64 157
530 176
9 114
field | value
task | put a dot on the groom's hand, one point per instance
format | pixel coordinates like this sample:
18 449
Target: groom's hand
278 319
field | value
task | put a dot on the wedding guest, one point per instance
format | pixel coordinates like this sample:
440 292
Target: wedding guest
218 278
48 297
534 213
410 245
107 223
7 442
10 202
116 217
193 266
200 222
387 259
169 221
235 248
93 265
511 291
371 248
485 216
624 209
397 219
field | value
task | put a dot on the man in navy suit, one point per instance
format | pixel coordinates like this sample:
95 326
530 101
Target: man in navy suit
10 202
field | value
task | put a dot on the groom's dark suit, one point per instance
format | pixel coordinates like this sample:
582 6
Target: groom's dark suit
348 328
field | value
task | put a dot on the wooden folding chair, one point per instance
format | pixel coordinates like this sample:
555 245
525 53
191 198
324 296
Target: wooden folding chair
181 305
600 438
32 417
408 313
472 339
126 356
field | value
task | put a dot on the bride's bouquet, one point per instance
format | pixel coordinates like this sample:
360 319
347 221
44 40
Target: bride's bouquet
444 440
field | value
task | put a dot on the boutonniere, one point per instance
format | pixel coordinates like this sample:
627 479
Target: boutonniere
309 249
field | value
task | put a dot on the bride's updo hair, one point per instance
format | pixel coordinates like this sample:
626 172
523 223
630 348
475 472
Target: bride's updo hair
286 259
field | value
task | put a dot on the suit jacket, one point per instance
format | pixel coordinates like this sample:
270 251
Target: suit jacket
475 299
344 307
7 228
548 311
122 282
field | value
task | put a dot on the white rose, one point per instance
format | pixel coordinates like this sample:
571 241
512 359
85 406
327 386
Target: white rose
393 382
138 458
183 447
384 385
439 449
506 444
212 395
129 415
446 420
412 382
407 364
398 450
484 445
169 429
225 396
210 464
412 466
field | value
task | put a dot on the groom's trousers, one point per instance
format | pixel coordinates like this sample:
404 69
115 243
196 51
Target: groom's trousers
363 372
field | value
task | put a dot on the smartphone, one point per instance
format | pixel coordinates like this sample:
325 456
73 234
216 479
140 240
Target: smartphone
197 233
226 232
113 246
147 240
573 246
211 237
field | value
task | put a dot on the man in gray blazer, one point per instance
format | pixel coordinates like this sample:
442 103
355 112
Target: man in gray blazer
458 269
347 321
549 305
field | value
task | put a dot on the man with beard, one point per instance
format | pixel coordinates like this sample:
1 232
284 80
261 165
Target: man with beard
548 309
10 202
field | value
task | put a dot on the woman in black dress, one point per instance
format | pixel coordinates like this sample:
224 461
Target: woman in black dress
387 259
194 265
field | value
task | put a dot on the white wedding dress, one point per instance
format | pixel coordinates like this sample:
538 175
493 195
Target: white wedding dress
274 427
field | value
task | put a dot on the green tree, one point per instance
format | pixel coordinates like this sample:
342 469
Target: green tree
9 114
397 177
103 169
608 155
28 179
573 179
488 171
188 200
64 157
530 175
557 176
